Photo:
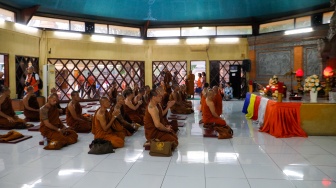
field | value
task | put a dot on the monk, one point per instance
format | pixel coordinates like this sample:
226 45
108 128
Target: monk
209 111
183 96
146 96
165 96
128 128
102 122
135 89
8 118
190 84
154 127
131 109
164 112
31 107
203 98
179 107
113 92
52 127
140 97
168 78
60 109
74 116
217 99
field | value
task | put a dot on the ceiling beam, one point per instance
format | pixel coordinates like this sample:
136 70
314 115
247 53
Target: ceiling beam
26 14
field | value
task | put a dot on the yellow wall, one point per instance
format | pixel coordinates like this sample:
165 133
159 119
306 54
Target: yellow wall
39 44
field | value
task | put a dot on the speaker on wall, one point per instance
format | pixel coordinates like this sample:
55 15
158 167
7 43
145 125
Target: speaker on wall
246 65
89 27
316 19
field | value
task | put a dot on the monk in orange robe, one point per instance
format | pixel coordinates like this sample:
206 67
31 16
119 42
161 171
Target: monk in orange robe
203 98
102 122
113 92
139 97
183 96
8 118
179 107
164 112
127 127
52 127
209 112
31 106
190 84
60 109
131 109
168 80
217 99
74 116
154 127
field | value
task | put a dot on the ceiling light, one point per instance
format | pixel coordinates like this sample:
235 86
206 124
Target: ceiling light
298 31
132 40
197 41
227 40
102 38
67 34
167 41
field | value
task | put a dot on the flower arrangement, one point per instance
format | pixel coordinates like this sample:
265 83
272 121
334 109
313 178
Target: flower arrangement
312 83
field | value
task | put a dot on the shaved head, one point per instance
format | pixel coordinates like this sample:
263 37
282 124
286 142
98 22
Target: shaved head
103 99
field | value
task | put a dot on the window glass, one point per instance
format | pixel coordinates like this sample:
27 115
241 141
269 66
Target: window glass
303 22
198 31
101 28
77 26
163 32
234 30
327 16
7 15
277 26
120 30
45 22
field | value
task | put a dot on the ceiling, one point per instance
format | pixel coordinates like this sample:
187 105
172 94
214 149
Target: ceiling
172 11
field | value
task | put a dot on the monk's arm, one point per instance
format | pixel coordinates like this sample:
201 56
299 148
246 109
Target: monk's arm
26 105
156 118
212 108
131 106
103 123
169 104
175 98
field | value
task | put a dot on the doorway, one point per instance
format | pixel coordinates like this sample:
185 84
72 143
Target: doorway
4 73
197 67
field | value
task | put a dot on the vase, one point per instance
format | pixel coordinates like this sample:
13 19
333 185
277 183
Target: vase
313 96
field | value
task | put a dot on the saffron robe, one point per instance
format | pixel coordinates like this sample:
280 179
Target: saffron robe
7 108
218 103
134 115
151 132
190 84
109 135
208 118
29 114
78 126
179 107
53 135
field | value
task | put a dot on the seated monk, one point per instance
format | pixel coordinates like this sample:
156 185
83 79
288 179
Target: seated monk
113 92
179 107
164 112
131 109
102 122
217 99
52 127
135 89
183 96
128 128
203 98
146 95
165 96
8 118
209 112
74 116
154 126
60 109
31 106
140 97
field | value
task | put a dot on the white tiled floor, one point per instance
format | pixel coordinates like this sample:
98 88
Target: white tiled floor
249 160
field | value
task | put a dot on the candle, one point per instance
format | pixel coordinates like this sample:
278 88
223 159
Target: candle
280 87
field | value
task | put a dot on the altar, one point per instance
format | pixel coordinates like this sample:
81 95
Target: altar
291 118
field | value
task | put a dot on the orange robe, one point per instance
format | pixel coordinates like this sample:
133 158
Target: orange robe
164 119
151 132
134 115
218 103
121 127
168 78
79 126
109 135
179 107
7 108
113 97
32 115
183 97
208 118
52 135
190 84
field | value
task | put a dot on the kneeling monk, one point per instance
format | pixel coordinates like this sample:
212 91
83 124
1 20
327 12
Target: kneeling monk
8 119
154 126
31 106
74 117
52 127
209 113
102 124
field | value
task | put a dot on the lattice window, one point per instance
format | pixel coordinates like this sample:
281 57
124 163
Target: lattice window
173 66
21 65
73 74
224 74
